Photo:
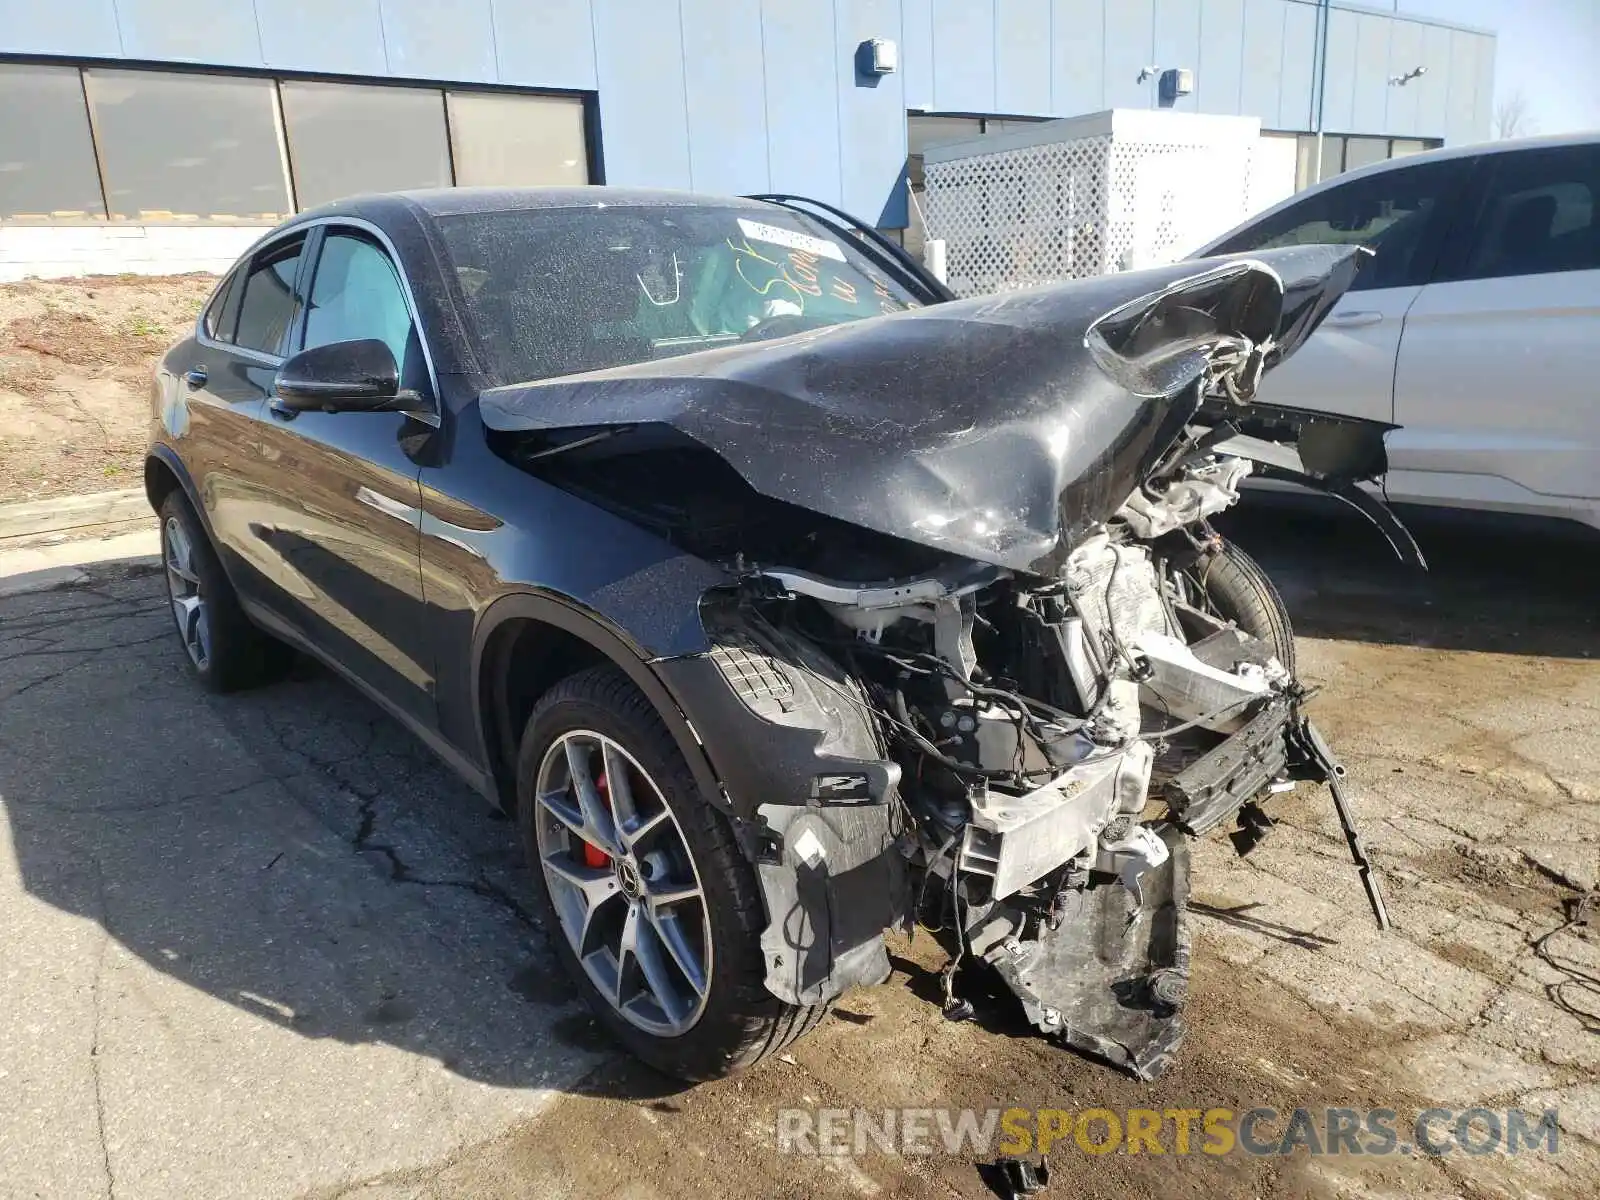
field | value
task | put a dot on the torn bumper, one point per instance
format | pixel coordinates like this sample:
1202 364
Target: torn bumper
811 794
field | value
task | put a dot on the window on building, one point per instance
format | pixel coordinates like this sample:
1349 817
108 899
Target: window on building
1541 214
268 309
1332 158
350 138
187 146
357 294
1345 152
47 166
1363 152
517 141
202 146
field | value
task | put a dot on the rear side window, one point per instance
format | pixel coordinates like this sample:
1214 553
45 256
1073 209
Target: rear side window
1540 214
1401 214
269 305
217 322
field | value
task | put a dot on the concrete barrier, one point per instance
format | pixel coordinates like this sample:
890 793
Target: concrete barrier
65 251
64 513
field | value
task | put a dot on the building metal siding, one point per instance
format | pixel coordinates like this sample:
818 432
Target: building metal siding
1022 40
734 95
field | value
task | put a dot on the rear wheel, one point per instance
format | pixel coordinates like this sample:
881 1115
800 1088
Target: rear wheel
651 906
225 651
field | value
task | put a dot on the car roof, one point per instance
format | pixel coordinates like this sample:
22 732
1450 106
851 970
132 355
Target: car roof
1469 150
454 201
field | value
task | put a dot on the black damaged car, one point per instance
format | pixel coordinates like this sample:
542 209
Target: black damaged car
781 598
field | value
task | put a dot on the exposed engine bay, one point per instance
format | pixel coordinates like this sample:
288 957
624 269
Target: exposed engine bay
993 707
1054 740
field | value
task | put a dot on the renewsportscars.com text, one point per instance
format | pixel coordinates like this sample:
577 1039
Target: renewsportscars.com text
1261 1132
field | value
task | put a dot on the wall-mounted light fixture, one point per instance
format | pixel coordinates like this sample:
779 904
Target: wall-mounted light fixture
1171 82
1402 80
882 56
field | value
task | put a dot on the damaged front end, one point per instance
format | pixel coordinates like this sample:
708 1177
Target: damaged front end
957 675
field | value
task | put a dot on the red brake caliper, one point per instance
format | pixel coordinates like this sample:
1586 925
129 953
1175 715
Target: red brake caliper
593 856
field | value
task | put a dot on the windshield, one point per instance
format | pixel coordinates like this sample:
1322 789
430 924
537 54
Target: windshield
558 291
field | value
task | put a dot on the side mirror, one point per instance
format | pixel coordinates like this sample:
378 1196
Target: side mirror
359 376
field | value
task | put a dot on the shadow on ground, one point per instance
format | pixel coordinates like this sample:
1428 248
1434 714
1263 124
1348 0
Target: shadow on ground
1494 584
291 851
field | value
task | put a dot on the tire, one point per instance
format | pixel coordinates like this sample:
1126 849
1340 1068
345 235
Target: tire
738 1021
224 650
1238 590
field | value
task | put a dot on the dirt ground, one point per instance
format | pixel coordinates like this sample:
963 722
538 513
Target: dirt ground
1468 713
75 363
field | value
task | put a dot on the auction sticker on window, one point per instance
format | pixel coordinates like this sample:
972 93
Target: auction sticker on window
779 236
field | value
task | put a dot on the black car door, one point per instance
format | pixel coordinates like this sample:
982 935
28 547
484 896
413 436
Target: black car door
339 518
215 386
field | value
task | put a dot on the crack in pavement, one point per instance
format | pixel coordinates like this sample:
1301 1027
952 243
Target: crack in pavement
90 656
54 651
94 1041
150 806
400 871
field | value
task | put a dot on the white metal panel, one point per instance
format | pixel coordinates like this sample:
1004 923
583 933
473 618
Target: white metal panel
1086 195
1272 172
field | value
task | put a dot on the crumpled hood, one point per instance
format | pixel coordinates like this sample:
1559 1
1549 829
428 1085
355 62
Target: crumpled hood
999 428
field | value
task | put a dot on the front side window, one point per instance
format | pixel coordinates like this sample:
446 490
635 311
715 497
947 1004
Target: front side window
268 307
357 294
1400 214
558 291
1541 214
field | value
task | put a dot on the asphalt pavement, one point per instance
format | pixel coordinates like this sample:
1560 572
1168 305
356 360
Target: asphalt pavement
250 945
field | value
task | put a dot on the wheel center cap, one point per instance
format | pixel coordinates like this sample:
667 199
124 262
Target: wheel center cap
628 879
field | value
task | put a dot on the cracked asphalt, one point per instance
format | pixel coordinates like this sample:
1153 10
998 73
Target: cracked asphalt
248 946
264 945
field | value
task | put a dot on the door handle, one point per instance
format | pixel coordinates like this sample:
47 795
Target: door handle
195 377
1355 320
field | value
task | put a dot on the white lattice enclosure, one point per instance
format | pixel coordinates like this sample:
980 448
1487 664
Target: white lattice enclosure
1086 195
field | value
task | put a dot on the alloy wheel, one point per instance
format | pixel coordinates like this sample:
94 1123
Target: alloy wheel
189 606
623 883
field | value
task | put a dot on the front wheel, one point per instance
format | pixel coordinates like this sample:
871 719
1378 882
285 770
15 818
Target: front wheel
1231 585
650 904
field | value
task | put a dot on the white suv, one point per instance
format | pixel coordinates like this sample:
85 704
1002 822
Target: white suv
1477 327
